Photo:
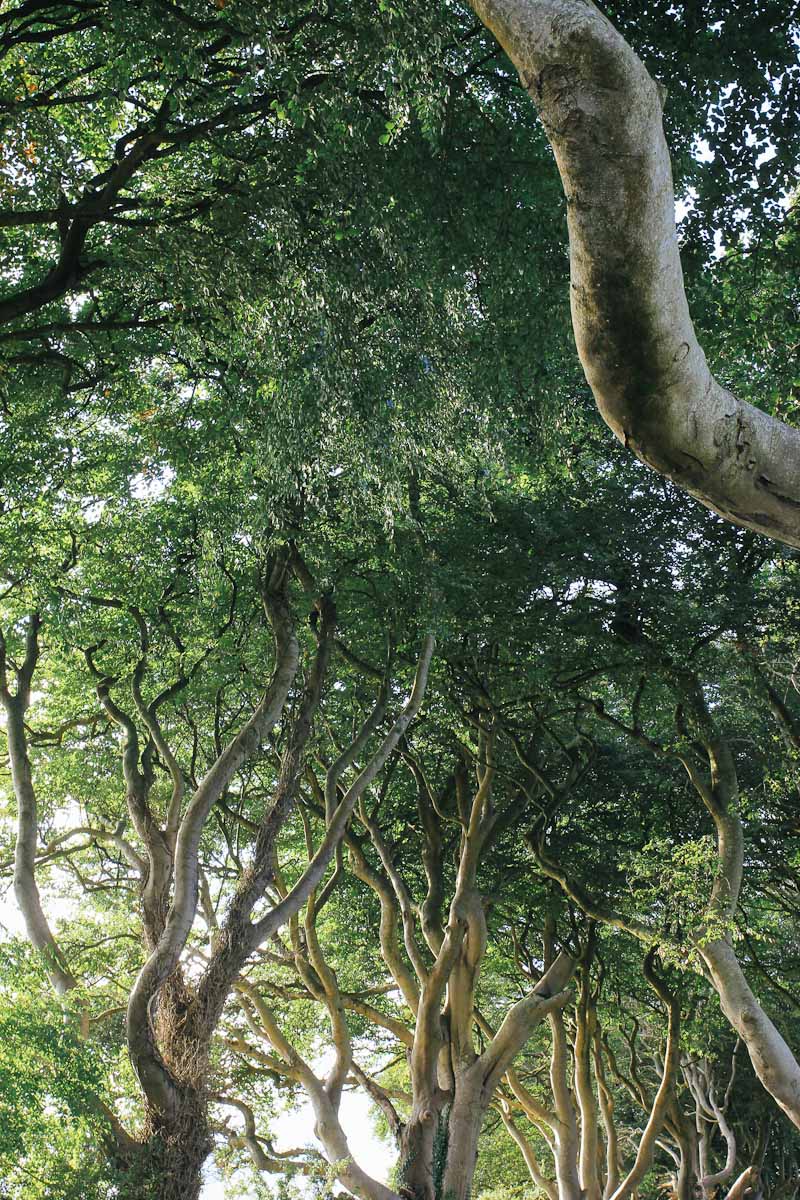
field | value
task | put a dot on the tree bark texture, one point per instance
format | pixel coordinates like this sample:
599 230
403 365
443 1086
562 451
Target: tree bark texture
603 116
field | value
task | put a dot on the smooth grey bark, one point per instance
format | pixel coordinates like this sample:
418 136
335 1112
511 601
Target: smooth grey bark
585 1029
155 1080
699 1075
476 1085
773 1061
605 1099
685 1135
603 116
26 890
464 1122
745 1183
325 1103
309 959
565 1129
716 783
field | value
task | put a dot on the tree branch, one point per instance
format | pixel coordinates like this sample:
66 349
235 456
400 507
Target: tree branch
603 116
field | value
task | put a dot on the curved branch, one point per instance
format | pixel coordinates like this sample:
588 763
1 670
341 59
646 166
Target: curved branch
603 116
57 848
156 1082
550 994
526 1150
277 1162
327 1125
315 870
25 887
595 909
661 1103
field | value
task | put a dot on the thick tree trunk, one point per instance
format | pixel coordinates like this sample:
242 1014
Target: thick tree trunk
169 1164
180 1140
566 1163
422 1134
440 1150
682 1129
603 117
463 1128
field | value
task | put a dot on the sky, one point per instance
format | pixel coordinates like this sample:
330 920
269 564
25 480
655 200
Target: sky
295 1128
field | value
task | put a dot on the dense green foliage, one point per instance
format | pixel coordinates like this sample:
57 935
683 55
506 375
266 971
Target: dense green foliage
290 280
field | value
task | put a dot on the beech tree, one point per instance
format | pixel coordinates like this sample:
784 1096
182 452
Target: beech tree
508 791
169 1054
603 115
661 897
370 721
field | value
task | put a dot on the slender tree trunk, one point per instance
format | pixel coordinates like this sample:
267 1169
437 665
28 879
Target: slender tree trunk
606 1102
566 1163
544 1184
25 888
773 1061
566 1130
584 1035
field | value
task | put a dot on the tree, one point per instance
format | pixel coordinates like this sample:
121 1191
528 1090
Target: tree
603 116
265 383
543 644
169 1052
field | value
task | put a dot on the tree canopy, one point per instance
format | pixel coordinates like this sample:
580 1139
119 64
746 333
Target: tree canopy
373 720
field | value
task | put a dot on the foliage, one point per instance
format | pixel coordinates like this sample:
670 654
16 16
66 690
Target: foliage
50 1081
283 280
